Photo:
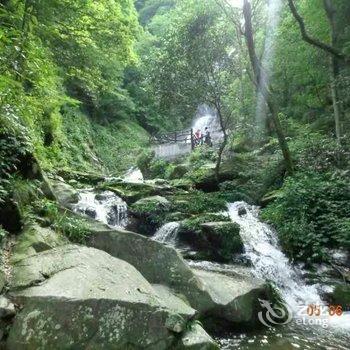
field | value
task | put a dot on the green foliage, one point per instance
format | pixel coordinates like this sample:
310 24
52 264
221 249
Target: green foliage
197 202
14 146
194 223
202 155
24 193
74 228
311 214
3 234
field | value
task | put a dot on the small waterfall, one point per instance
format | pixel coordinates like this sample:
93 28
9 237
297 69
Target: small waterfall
269 262
167 233
106 207
133 175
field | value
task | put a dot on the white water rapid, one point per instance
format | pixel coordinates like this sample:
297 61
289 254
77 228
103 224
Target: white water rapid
167 233
269 263
133 175
105 207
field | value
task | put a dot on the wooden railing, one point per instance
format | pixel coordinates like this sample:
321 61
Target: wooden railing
183 136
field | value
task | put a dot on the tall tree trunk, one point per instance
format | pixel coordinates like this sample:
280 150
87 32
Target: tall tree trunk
262 86
334 68
223 143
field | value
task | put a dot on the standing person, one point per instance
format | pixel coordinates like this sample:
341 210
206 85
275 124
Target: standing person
198 137
207 137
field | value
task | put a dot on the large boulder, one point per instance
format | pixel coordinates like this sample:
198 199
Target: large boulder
233 299
148 213
196 338
134 191
80 297
223 239
158 263
65 194
236 297
35 239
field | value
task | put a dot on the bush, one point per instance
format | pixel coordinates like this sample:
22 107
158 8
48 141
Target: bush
14 146
312 214
74 228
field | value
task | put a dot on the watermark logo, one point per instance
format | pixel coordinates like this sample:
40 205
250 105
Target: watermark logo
307 315
273 315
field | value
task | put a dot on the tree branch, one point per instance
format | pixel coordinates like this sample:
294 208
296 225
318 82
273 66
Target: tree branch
315 42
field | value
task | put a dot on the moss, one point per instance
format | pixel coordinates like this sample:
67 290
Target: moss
198 202
341 296
223 238
152 210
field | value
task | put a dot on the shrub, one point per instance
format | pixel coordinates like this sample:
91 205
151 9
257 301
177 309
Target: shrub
312 214
74 228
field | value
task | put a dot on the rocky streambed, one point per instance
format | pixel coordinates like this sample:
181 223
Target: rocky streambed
120 289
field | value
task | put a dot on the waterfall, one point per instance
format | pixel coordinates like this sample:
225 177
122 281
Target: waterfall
133 175
167 233
106 207
269 262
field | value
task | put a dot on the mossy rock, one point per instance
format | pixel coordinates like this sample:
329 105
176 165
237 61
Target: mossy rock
83 177
198 202
341 295
178 171
217 243
149 213
223 238
134 191
35 239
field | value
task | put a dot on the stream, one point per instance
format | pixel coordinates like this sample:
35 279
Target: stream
268 263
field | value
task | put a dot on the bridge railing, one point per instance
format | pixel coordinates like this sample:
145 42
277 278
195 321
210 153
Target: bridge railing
183 136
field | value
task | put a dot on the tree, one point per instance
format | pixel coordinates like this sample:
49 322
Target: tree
261 83
336 55
197 63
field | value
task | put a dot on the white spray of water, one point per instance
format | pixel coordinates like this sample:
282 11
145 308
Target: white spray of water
133 175
269 263
105 207
167 233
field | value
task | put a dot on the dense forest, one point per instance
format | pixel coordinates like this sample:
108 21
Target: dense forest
88 87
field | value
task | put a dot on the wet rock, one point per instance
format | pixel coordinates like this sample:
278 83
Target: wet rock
235 297
80 297
149 213
153 201
242 211
90 212
7 308
196 338
65 194
134 191
223 238
341 296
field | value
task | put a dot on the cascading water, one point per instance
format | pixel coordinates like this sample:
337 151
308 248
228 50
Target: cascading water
269 263
207 118
105 207
167 233
133 175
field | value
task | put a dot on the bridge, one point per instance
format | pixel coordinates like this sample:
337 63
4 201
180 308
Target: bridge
171 145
